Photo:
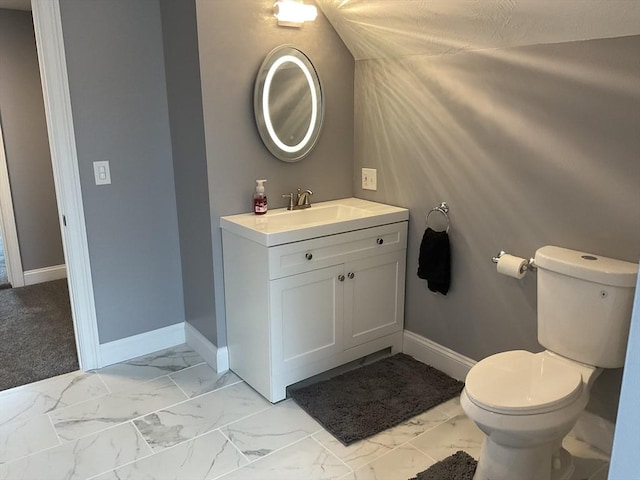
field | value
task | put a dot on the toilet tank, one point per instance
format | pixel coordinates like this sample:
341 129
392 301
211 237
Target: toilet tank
584 305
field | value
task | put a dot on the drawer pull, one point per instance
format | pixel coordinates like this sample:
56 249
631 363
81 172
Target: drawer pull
380 241
341 278
308 255
351 274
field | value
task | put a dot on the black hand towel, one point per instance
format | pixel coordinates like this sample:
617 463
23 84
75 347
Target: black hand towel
434 263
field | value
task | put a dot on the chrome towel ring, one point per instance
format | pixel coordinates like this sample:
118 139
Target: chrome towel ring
443 209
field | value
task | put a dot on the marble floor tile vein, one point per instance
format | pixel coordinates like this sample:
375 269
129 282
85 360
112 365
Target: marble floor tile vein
24 437
367 450
125 375
184 421
95 415
49 395
80 459
201 379
262 433
237 448
400 463
306 459
457 433
203 458
186 395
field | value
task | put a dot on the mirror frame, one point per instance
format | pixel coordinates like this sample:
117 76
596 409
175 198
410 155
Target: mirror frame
275 58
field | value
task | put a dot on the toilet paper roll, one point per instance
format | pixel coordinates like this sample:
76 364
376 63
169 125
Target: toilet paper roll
515 267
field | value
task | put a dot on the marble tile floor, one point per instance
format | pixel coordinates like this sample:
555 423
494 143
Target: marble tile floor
170 416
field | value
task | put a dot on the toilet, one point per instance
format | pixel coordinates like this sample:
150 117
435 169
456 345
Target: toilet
526 403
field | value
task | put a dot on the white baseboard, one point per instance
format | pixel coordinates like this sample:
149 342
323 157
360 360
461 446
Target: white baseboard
216 357
429 352
142 344
46 274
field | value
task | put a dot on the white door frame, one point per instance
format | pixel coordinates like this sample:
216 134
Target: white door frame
8 230
64 157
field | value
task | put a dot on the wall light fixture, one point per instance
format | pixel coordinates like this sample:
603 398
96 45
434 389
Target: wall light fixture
293 13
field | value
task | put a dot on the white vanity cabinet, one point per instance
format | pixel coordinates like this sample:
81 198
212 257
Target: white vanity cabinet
300 308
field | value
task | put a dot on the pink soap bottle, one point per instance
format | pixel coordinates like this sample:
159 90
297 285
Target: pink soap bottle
259 199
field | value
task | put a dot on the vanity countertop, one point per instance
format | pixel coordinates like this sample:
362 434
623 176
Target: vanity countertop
321 219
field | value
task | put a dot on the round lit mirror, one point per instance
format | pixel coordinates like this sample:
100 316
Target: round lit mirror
288 104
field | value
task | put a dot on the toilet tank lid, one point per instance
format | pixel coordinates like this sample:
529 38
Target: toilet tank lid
587 266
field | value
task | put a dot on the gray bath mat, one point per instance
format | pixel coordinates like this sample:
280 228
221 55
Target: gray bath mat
371 399
459 466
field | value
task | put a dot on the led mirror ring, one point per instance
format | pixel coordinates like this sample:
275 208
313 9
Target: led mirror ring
265 103
288 56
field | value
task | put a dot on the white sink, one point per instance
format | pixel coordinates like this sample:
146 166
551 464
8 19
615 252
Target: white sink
326 218
316 214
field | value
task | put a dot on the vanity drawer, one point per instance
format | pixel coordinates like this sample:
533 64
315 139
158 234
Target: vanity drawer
307 255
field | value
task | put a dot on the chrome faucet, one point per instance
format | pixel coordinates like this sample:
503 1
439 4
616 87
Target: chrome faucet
301 199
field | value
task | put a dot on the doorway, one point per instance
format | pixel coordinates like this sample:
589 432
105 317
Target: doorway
47 24
36 324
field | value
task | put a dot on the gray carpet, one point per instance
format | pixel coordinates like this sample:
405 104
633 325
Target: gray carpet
366 401
459 466
36 333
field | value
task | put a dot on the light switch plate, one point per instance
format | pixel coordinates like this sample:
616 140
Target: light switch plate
102 173
369 179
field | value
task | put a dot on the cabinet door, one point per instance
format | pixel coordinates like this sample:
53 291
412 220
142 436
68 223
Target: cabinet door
307 317
374 297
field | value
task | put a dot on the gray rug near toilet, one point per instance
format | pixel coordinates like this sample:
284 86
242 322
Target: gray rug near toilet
370 399
459 466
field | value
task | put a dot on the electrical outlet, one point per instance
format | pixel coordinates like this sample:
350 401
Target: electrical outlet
369 179
102 173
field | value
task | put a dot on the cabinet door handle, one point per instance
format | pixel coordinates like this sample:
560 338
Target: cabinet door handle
380 241
351 274
341 278
308 255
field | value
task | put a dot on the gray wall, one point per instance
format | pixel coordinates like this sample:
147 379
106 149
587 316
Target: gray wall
184 95
234 38
26 143
530 146
119 101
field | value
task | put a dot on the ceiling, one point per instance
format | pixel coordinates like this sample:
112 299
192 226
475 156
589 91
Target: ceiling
388 29
16 4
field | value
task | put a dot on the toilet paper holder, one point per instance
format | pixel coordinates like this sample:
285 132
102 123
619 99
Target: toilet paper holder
530 265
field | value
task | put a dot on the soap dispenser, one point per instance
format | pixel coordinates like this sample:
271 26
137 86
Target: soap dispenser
259 199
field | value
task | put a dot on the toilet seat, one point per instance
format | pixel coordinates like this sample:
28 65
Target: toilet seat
523 383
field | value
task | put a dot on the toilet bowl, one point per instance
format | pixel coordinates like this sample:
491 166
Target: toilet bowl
526 403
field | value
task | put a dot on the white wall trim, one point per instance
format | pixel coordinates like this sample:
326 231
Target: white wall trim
141 344
8 230
46 274
216 357
432 353
47 24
